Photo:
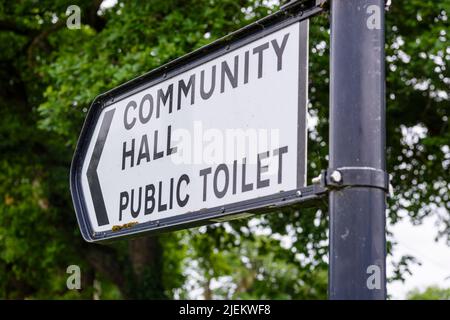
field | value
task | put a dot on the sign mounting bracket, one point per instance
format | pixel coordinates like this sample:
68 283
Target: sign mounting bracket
343 177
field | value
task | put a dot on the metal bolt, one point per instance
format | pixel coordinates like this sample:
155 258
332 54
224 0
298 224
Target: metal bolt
299 193
336 176
317 179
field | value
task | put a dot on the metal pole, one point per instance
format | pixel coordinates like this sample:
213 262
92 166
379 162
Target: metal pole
357 151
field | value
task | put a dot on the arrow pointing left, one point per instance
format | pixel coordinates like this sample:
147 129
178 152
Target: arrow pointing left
92 176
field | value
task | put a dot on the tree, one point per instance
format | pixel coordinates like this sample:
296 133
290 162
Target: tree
430 293
50 74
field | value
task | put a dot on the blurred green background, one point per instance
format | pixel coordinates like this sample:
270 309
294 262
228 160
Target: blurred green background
50 74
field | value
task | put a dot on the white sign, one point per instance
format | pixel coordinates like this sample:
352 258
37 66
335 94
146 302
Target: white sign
210 135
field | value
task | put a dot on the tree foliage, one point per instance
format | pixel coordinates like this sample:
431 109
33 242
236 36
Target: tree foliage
430 293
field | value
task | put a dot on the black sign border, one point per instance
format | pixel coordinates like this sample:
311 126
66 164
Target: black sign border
235 40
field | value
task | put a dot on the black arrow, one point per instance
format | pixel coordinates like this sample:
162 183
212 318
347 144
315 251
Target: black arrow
92 176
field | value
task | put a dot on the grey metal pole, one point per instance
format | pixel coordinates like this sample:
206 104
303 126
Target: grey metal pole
357 151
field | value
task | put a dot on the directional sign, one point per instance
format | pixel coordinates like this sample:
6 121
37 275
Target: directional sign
209 137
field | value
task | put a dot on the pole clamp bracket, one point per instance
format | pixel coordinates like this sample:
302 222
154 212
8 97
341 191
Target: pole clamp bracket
336 178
